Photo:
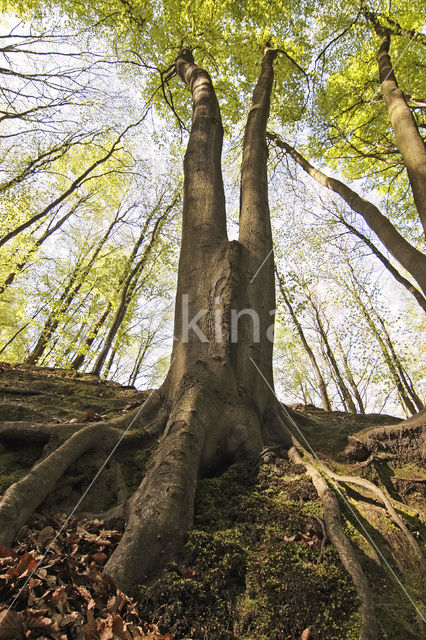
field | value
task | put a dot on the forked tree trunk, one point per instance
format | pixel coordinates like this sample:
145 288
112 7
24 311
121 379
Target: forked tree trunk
219 406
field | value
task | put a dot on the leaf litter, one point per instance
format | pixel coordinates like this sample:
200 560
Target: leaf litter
52 586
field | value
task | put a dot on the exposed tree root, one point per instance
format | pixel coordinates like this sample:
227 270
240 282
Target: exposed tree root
25 431
196 436
22 498
366 484
342 545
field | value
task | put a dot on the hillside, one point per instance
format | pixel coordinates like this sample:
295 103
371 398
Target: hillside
257 563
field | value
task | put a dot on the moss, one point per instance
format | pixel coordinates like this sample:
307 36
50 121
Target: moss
133 465
16 459
238 576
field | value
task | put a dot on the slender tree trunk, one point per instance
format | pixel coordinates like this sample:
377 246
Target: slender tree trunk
326 405
37 244
349 375
91 337
143 348
406 402
109 363
127 292
52 205
398 366
74 285
408 256
407 136
333 362
93 332
389 266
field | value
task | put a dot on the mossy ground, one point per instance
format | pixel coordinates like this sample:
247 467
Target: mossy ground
240 574
246 571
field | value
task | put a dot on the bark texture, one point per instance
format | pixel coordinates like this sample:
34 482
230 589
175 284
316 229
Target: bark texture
217 403
407 136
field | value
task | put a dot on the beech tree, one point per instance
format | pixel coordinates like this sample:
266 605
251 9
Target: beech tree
217 404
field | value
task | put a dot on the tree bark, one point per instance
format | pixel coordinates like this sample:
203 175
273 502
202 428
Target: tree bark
408 256
407 136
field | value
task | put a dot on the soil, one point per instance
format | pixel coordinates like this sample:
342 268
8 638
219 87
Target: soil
255 565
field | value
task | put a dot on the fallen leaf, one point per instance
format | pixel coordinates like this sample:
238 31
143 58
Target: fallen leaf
11 625
26 563
100 557
90 630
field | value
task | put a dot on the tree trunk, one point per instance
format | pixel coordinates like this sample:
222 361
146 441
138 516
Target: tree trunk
406 402
71 290
37 244
127 291
349 375
398 366
407 136
326 405
389 266
220 408
408 256
93 332
346 395
90 338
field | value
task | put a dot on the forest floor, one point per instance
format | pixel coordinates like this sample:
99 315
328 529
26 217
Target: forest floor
256 564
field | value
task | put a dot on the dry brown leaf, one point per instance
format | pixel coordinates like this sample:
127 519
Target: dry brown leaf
26 563
11 625
100 557
90 630
45 534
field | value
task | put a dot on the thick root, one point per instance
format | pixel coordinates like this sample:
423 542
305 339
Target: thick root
21 499
199 434
366 484
161 510
342 545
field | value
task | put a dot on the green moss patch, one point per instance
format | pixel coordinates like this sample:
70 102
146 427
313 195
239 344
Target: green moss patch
247 573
